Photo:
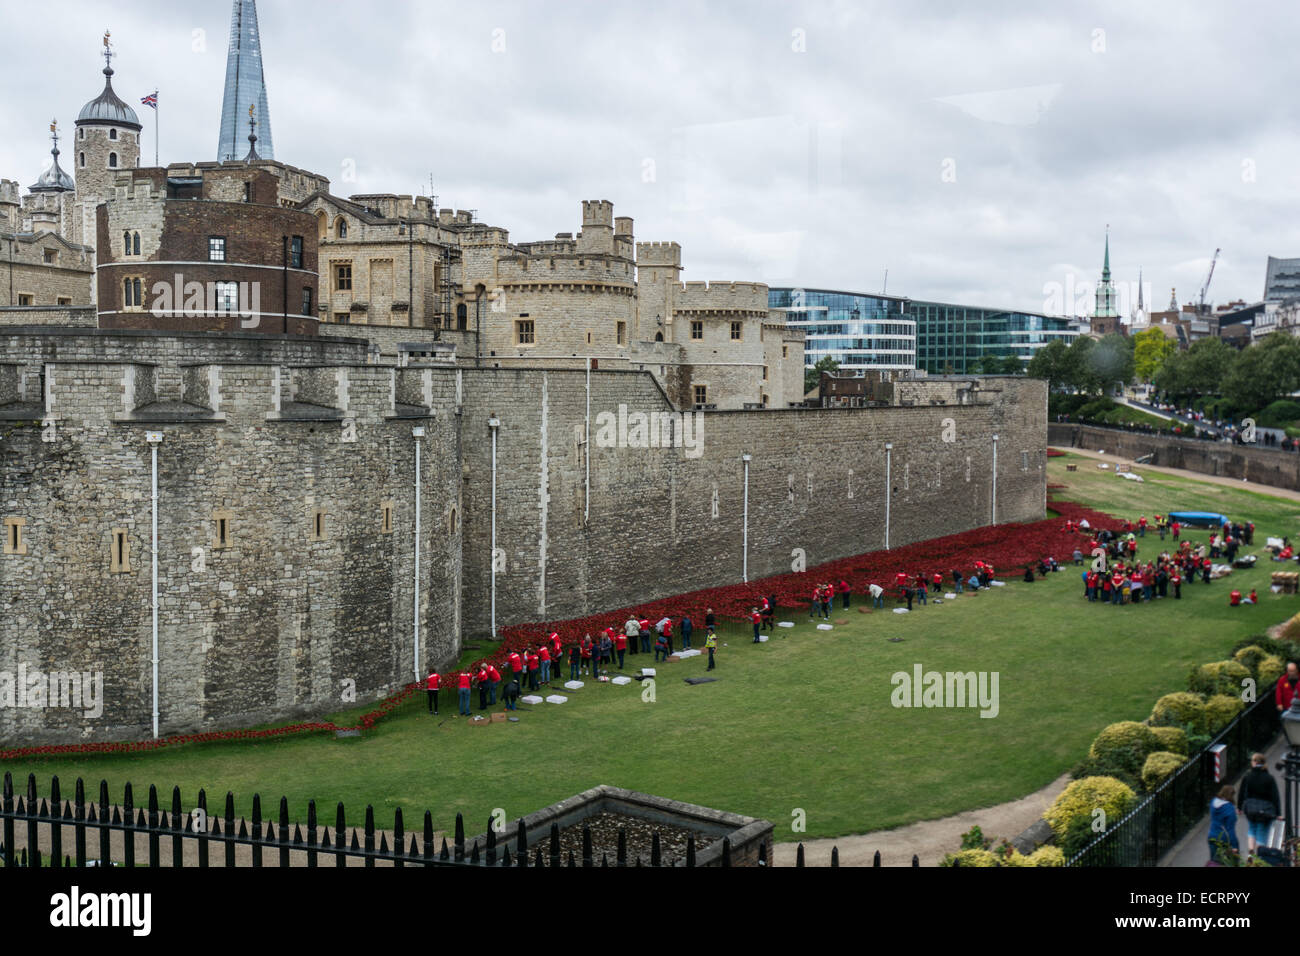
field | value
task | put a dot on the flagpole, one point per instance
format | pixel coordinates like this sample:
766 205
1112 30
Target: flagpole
155 129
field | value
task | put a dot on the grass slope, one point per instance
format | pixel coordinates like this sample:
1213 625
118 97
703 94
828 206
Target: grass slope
803 722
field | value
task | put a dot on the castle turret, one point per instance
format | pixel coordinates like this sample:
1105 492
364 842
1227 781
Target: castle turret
597 236
108 140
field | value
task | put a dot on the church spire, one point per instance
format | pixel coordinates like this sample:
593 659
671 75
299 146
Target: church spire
1139 289
1105 297
1105 269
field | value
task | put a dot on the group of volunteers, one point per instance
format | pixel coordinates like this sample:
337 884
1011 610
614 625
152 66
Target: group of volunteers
538 664
1118 576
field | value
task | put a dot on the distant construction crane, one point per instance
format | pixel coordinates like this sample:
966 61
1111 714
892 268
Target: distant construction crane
1206 288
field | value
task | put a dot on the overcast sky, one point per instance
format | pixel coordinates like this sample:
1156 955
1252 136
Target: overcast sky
976 151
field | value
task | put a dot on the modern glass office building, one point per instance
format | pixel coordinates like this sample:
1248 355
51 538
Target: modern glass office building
886 332
245 87
858 331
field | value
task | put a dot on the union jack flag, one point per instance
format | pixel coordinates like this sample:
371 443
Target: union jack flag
151 99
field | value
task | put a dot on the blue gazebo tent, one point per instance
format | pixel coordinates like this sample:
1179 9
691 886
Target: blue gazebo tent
1207 518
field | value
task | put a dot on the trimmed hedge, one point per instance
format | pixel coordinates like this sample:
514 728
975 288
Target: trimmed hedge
1077 802
1270 672
1183 709
1220 710
1159 766
1250 657
1123 746
1219 677
1170 739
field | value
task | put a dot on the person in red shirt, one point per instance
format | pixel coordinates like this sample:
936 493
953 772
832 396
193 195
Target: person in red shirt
620 645
516 666
1285 691
768 614
644 624
668 634
845 591
815 603
757 619
544 655
556 648
1252 599
534 664
431 685
586 654
1176 580
938 581
1175 528
462 691
481 678
1234 598
493 680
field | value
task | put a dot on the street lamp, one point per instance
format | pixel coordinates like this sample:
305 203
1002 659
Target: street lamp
1291 765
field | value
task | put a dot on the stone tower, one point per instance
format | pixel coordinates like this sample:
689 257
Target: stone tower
245 87
107 140
658 277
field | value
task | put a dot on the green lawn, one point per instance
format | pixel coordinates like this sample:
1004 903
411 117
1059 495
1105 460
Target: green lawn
804 722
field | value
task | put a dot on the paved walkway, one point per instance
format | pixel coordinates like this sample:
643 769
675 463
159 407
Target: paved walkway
1194 849
929 839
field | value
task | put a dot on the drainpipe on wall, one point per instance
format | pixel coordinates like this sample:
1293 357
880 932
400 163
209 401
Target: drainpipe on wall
154 439
995 479
586 451
744 561
494 423
417 433
889 487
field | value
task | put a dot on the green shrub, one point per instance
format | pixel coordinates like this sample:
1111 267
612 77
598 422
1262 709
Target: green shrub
1124 745
1279 414
972 858
1158 767
1249 657
1043 856
1219 711
1220 677
1171 739
1079 800
1271 670
1179 710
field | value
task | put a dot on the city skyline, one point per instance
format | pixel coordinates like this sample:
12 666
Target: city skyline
766 144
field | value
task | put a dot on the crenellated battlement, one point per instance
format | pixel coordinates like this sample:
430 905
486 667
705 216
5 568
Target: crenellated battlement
727 296
597 212
659 254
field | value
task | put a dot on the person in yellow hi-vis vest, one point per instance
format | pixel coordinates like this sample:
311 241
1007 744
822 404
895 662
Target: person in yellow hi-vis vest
710 643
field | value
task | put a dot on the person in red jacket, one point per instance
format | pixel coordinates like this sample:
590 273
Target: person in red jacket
757 619
1234 598
431 685
493 680
620 646
481 678
556 650
586 655
845 591
544 656
1285 691
516 666
534 664
462 691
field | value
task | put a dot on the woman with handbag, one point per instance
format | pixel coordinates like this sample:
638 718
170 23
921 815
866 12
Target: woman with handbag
1259 801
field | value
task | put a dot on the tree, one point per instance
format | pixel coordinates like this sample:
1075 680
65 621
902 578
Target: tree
1112 360
812 376
1052 363
1264 371
1151 348
1079 372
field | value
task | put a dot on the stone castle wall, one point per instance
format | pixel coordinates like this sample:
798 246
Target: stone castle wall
269 434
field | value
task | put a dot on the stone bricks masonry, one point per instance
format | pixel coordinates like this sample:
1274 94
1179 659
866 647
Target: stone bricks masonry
282 617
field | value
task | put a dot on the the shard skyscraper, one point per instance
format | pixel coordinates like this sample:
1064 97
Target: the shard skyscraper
245 87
